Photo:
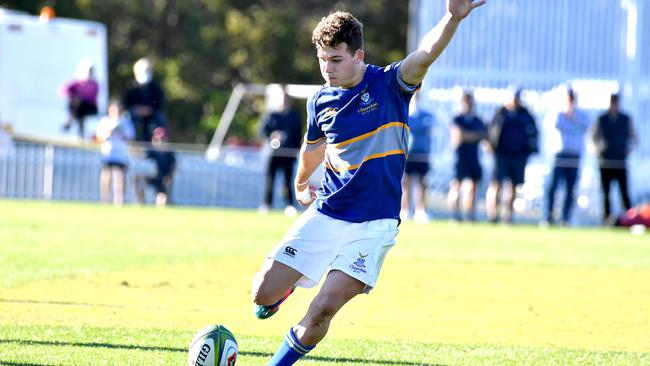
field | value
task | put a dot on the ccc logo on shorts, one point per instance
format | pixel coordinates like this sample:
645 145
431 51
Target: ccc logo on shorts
291 252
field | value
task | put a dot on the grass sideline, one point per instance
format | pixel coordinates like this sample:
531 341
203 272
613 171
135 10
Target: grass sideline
131 285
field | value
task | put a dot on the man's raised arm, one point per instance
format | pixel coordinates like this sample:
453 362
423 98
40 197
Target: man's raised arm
417 63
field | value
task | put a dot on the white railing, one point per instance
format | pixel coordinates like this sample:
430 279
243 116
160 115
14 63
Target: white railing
50 171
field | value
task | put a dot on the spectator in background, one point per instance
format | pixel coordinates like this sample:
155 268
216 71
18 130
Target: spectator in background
512 135
165 161
82 96
571 126
114 131
144 100
467 131
417 165
613 137
282 130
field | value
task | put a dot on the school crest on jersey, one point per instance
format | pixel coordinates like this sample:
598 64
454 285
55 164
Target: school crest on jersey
367 104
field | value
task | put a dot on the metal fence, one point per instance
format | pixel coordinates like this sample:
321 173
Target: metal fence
50 171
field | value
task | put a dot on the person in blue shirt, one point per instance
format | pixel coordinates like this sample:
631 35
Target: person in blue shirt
571 125
467 131
417 165
357 127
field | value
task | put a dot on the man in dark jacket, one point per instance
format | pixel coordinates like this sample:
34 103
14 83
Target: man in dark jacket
282 130
613 137
144 99
512 135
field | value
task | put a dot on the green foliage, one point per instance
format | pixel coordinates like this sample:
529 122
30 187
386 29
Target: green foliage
202 48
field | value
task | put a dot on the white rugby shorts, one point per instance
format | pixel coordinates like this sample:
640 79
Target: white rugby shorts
317 242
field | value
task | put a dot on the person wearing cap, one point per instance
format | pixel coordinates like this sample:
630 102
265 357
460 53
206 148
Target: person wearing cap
165 161
512 136
144 100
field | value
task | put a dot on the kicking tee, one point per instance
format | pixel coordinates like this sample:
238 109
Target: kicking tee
366 131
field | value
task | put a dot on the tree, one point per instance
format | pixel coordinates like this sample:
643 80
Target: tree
202 48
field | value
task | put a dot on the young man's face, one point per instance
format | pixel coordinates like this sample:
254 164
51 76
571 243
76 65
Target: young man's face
338 66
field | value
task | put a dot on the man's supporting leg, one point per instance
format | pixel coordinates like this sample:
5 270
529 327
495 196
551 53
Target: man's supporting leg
290 351
338 289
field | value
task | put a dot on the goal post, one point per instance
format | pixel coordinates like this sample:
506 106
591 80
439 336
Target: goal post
296 91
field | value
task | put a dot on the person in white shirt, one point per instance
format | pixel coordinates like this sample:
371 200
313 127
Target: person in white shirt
114 131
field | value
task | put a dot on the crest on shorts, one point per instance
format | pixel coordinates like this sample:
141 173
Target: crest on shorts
360 264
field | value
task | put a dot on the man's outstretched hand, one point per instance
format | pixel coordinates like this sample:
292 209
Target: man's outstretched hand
459 9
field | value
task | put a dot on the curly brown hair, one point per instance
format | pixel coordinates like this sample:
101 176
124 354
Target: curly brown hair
336 28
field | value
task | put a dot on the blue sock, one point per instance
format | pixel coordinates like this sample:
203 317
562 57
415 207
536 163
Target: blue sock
290 351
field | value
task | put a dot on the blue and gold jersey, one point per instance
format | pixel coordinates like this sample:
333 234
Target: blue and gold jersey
366 132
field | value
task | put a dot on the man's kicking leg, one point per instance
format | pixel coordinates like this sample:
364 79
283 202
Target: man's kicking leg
271 286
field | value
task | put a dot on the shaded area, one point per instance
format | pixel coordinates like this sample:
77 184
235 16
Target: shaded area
52 302
93 345
183 350
8 363
73 303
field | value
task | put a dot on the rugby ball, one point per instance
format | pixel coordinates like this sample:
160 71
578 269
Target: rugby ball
214 345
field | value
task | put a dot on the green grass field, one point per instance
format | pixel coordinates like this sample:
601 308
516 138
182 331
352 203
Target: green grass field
84 284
